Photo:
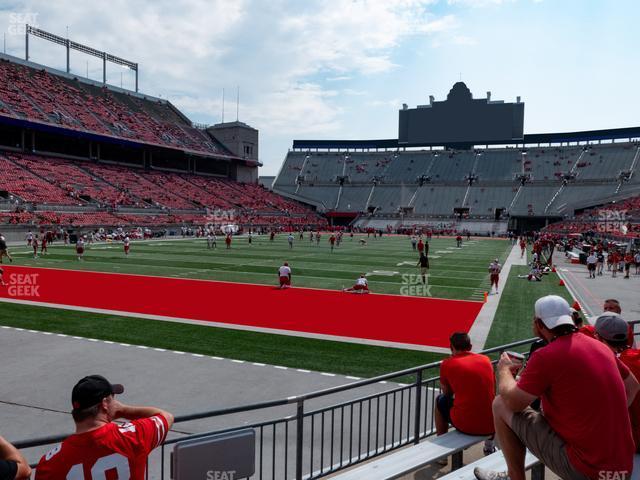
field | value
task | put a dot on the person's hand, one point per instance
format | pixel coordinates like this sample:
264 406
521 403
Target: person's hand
507 363
118 409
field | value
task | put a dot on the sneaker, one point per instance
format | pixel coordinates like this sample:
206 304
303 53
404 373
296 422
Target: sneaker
484 474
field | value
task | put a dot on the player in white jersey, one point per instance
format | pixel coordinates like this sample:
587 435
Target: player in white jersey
127 245
211 239
361 286
284 275
290 240
80 248
494 272
29 238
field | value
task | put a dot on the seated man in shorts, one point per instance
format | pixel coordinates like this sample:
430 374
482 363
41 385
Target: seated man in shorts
468 389
577 378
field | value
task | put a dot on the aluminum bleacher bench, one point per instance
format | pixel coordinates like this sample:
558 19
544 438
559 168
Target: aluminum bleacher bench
496 462
409 459
635 475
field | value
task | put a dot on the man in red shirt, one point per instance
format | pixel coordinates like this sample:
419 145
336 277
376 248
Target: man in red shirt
585 431
610 305
468 389
101 448
611 329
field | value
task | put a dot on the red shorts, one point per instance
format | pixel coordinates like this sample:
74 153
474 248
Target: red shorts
360 287
80 250
285 281
495 277
126 249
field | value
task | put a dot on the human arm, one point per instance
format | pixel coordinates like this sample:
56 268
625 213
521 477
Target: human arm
514 397
10 453
131 412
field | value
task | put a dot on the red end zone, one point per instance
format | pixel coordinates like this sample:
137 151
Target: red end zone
384 318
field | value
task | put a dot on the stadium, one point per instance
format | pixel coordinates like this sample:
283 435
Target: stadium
146 247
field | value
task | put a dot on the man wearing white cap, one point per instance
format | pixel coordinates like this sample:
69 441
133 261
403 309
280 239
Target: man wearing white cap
585 392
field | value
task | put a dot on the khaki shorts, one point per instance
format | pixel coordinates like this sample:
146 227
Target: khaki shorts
536 434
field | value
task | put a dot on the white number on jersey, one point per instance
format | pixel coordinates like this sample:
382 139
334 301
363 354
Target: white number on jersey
115 461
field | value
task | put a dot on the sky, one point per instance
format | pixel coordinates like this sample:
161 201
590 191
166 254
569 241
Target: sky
341 69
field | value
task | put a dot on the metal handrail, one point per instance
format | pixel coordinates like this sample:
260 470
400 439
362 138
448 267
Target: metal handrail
412 425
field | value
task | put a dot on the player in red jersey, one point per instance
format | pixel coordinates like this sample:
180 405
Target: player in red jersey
332 241
34 244
227 240
459 241
494 272
43 245
100 448
127 244
523 247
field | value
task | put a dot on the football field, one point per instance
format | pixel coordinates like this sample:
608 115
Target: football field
458 274
389 262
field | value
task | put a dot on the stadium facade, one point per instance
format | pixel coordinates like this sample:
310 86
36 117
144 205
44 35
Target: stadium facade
465 162
80 153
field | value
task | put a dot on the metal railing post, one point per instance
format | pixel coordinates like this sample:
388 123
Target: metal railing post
299 438
416 425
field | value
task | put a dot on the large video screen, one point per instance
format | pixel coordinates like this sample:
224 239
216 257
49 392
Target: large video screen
475 121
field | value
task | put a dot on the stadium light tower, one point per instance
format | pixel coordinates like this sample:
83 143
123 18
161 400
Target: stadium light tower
71 45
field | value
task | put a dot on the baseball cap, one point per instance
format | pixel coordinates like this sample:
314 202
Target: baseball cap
612 327
90 391
553 311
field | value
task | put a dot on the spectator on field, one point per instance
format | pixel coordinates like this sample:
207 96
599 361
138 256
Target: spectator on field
100 445
467 381
572 371
592 260
13 466
612 329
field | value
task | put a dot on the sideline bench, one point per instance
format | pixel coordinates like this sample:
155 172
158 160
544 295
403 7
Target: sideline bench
404 461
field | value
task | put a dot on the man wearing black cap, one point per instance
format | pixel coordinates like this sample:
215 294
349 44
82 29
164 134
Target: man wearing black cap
13 466
100 445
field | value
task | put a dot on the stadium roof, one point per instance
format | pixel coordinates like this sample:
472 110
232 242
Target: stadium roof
529 139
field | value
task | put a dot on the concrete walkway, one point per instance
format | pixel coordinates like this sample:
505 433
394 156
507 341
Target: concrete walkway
592 292
481 327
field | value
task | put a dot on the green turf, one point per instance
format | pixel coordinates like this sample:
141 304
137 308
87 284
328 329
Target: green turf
514 317
319 355
460 273
457 273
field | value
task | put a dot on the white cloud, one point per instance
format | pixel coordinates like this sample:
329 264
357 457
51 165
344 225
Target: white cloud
277 51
